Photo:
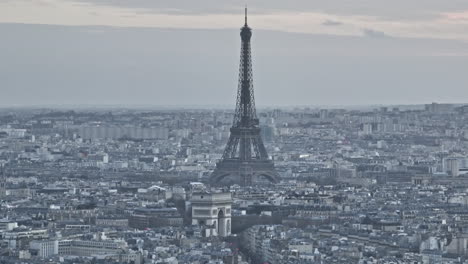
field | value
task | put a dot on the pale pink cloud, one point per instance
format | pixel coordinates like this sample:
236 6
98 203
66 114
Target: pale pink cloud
458 16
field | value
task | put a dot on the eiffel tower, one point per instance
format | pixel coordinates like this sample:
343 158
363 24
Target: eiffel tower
245 159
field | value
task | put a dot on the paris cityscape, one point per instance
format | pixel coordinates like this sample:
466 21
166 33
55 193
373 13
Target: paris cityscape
236 184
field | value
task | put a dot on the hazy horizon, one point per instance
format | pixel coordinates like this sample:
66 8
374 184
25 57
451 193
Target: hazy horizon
136 107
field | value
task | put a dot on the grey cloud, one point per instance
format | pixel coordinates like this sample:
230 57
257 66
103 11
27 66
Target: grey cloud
105 65
385 9
373 33
332 23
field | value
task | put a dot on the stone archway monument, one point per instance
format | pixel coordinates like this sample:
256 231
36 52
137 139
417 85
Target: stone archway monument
212 212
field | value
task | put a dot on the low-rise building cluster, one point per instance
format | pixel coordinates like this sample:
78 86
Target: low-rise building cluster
386 185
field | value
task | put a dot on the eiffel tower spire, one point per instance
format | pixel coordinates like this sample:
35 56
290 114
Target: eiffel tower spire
245 158
245 16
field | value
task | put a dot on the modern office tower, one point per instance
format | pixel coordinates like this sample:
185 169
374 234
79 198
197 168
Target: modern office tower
452 167
323 113
245 159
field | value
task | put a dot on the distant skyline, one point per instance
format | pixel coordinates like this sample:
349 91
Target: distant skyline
173 53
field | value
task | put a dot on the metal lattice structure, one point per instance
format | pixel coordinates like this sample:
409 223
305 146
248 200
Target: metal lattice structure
245 157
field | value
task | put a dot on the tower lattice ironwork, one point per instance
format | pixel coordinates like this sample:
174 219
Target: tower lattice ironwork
245 158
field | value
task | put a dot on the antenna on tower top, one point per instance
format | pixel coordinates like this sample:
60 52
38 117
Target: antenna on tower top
246 15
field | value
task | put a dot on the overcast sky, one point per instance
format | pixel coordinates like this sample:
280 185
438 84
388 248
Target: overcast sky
186 52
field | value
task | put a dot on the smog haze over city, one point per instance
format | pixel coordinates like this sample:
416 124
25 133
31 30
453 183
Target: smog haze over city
233 132
175 53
